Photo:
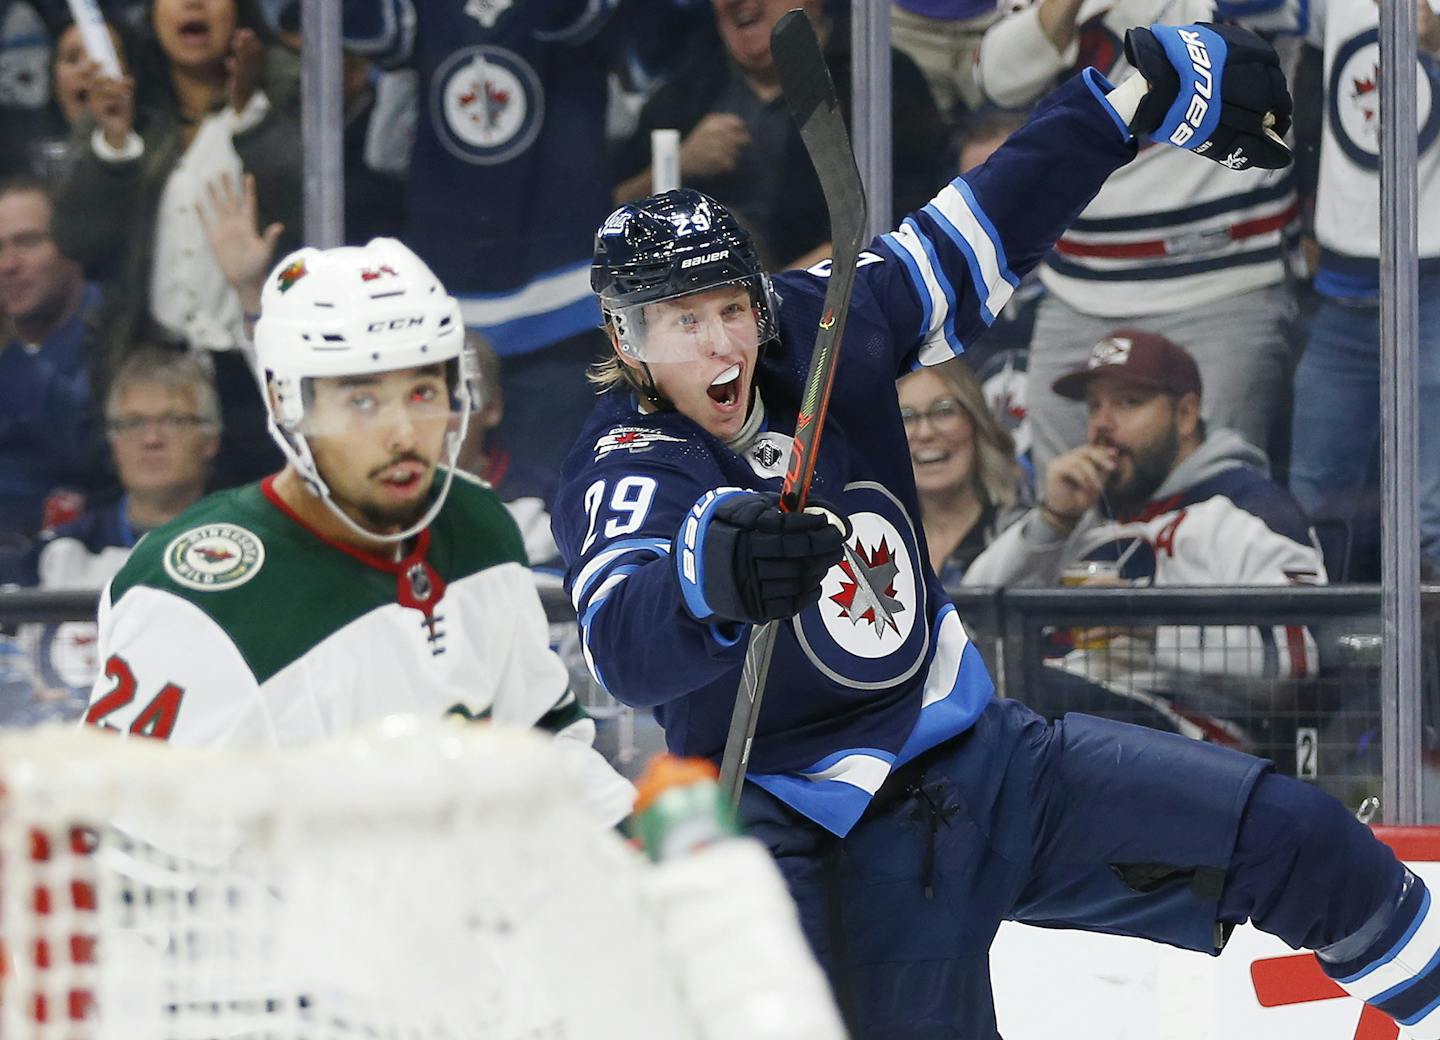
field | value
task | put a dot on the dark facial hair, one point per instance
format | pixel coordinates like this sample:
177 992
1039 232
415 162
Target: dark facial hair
1152 464
380 518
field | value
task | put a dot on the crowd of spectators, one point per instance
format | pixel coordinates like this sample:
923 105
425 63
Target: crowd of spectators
138 213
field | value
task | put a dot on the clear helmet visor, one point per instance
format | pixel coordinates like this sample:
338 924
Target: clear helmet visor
429 398
729 318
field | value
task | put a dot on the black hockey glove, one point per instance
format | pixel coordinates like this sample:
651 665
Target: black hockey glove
1216 90
739 558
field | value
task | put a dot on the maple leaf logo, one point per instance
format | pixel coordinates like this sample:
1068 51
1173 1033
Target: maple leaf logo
1366 94
494 100
867 592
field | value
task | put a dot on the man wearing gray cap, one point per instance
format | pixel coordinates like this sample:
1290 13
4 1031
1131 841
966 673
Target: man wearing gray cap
1153 498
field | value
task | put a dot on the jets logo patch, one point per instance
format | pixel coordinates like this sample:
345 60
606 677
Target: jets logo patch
868 590
486 105
1353 99
213 557
868 599
869 630
633 439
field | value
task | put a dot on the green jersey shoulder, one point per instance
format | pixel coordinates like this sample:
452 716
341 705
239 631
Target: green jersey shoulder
241 560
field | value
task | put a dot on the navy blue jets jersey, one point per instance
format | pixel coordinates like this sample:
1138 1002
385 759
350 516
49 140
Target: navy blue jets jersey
880 669
505 185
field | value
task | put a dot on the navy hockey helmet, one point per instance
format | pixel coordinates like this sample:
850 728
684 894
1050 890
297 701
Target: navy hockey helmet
667 246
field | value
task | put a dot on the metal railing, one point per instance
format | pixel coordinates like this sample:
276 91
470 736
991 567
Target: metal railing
1314 707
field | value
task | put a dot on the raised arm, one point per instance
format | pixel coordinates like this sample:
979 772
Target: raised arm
1025 52
947 270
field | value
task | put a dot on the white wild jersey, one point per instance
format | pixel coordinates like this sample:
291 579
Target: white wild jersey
236 625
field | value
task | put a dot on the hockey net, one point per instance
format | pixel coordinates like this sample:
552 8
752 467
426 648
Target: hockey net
418 882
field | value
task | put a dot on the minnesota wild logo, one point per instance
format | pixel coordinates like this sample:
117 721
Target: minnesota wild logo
292 274
214 556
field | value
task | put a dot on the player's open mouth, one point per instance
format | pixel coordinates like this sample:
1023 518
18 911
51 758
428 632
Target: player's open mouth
403 479
724 389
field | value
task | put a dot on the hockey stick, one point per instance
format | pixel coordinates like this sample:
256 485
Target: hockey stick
813 105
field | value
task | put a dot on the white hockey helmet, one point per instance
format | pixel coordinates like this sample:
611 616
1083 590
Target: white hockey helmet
355 310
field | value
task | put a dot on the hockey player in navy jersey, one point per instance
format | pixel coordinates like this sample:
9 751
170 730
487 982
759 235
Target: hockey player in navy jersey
910 811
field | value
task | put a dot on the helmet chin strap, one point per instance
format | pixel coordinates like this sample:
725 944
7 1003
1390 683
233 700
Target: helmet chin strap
652 391
297 450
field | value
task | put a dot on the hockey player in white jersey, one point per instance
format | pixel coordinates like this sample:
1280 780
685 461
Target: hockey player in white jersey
369 577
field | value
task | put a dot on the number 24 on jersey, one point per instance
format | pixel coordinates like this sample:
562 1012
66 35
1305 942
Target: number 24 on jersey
156 719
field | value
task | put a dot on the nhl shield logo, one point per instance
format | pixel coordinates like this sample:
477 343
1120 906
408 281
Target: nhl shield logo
769 454
214 557
486 105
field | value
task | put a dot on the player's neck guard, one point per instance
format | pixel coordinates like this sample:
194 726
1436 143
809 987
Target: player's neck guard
750 428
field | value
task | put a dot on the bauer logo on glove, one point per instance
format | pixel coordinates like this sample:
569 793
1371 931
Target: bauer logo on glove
1216 90
740 558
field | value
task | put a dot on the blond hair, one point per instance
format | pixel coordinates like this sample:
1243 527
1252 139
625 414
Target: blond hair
997 472
609 371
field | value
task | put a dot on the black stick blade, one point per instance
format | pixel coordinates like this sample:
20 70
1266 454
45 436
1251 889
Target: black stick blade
801 63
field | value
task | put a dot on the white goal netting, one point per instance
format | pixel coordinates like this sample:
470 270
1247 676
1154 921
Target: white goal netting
421 882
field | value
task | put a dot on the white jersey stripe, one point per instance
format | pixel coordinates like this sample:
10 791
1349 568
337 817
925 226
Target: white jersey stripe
906 240
863 771
1405 963
950 643
601 560
955 217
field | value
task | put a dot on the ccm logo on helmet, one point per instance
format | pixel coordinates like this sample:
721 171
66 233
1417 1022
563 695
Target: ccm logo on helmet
394 324
696 261
1204 88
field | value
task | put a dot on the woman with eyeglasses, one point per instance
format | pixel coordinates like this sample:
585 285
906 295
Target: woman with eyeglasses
971 487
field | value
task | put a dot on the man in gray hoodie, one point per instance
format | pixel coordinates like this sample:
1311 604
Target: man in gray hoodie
1152 498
